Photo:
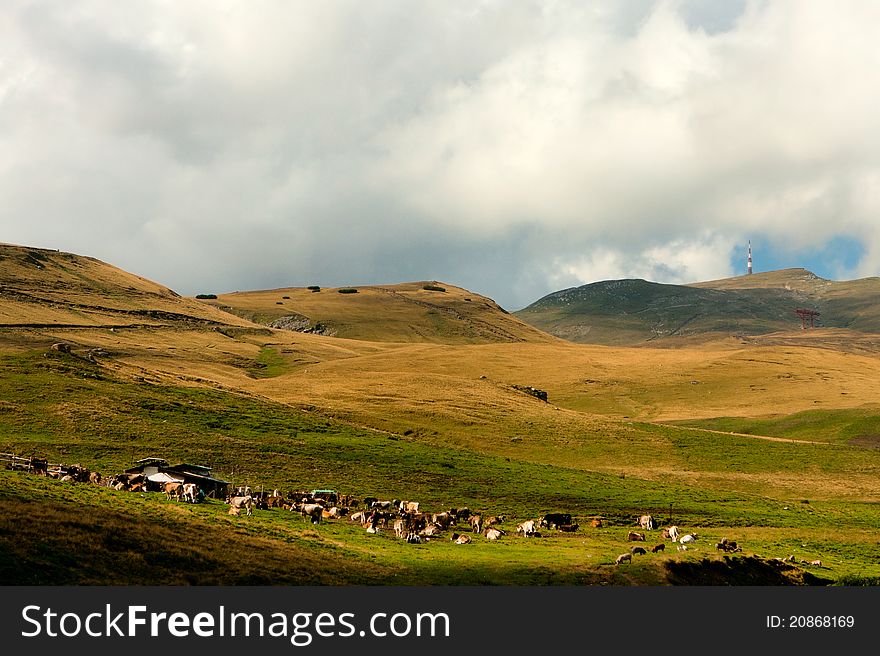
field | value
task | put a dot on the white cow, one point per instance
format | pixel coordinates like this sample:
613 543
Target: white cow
687 539
646 522
527 528
246 502
673 533
313 511
189 492
493 533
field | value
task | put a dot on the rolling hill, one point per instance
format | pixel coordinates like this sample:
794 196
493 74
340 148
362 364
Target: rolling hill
46 288
636 311
406 312
427 403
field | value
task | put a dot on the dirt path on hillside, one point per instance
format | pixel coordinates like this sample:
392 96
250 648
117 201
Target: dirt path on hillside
757 437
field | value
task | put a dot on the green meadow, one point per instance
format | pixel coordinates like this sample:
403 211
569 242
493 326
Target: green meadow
69 410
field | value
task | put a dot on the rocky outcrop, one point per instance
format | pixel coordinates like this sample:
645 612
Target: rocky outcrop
301 324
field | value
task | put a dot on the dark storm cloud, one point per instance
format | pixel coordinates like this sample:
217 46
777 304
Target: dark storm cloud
513 148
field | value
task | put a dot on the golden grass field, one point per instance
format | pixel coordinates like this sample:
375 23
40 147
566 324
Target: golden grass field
436 370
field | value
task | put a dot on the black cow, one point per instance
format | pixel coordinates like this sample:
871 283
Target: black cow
554 520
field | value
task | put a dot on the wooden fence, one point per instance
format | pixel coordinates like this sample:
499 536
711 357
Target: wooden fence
35 465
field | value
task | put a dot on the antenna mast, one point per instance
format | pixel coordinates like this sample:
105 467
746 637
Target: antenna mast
750 257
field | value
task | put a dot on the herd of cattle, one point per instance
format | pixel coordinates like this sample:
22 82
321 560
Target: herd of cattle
407 519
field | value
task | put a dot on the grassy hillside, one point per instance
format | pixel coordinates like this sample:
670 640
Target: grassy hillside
267 443
407 312
434 416
40 287
636 311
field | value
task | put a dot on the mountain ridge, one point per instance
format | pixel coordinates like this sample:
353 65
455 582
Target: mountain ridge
632 311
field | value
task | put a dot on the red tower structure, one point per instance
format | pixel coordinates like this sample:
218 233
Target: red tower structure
804 313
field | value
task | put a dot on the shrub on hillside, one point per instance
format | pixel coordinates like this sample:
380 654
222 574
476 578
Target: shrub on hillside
206 296
348 290
313 288
434 288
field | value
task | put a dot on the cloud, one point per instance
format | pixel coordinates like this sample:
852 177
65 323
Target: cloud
506 147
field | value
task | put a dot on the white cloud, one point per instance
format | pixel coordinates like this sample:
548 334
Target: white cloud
678 261
340 142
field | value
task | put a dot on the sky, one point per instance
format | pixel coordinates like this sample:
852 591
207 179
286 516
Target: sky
513 148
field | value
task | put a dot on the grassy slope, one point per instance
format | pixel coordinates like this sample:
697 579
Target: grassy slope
441 423
635 311
39 286
389 313
284 447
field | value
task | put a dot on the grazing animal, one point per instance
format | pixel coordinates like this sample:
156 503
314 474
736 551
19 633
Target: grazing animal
246 502
462 513
234 511
623 558
657 548
632 536
554 520
461 539
314 511
818 563
568 529
476 522
646 522
672 532
527 528
443 519
382 505
413 538
686 539
95 478
400 528
637 551
431 530
728 546
360 516
494 519
493 533
173 490
188 492
596 523
409 507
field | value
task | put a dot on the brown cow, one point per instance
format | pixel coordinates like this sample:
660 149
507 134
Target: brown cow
632 536
494 519
173 490
637 551
476 522
596 523
443 519
431 530
657 548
